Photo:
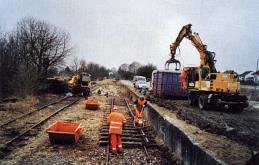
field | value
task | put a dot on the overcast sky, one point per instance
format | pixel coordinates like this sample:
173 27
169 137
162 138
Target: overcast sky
112 32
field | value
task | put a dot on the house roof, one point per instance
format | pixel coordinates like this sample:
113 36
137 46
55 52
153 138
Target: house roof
245 73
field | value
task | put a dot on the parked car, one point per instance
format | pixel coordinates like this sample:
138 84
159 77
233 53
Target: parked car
140 82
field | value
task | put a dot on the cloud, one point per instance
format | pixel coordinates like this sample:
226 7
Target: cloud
115 32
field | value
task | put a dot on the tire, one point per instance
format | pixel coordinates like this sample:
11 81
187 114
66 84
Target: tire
193 100
203 102
86 92
236 108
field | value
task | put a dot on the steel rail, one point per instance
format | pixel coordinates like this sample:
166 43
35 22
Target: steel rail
141 130
108 146
39 123
42 107
38 109
95 88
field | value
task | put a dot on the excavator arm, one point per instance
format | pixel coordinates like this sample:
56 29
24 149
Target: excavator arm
183 33
206 57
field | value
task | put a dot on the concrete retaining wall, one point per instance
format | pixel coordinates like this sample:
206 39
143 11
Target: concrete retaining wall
188 151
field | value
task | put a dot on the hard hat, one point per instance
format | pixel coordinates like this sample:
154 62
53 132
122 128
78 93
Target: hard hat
141 96
115 108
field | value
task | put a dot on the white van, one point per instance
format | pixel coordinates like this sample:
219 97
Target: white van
140 82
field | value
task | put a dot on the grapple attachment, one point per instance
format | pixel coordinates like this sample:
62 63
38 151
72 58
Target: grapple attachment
173 61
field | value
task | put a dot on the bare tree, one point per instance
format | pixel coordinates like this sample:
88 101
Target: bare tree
10 59
3 43
133 67
124 67
83 66
124 72
96 71
75 63
146 70
43 45
28 54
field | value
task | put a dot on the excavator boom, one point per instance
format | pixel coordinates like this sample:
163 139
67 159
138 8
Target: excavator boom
206 57
185 30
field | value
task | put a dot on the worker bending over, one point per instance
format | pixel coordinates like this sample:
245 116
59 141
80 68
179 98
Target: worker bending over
139 111
116 123
141 101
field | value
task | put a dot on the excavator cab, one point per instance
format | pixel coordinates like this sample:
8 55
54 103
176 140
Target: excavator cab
190 76
196 74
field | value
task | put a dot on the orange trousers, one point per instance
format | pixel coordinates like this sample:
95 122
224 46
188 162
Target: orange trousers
116 141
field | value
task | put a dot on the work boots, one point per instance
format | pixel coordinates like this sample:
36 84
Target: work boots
120 151
114 152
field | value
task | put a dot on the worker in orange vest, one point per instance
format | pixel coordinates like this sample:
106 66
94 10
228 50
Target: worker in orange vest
116 123
141 101
139 111
138 119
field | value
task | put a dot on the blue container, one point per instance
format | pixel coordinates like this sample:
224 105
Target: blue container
167 84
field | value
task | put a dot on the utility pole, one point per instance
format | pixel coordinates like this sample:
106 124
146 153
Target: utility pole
255 77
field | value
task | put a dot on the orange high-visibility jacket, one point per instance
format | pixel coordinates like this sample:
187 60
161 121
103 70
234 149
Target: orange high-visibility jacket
141 102
116 121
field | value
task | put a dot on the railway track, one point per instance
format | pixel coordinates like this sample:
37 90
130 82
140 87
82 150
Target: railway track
35 147
31 112
15 132
131 138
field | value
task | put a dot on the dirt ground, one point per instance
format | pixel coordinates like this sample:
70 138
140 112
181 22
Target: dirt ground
9 110
235 153
214 130
39 150
242 127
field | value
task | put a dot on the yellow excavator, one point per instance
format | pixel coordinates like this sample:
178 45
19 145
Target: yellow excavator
207 87
80 84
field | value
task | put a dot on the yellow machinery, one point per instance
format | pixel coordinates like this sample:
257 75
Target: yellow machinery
79 84
207 87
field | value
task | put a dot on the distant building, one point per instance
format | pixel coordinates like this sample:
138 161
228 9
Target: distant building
243 75
249 77
256 75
